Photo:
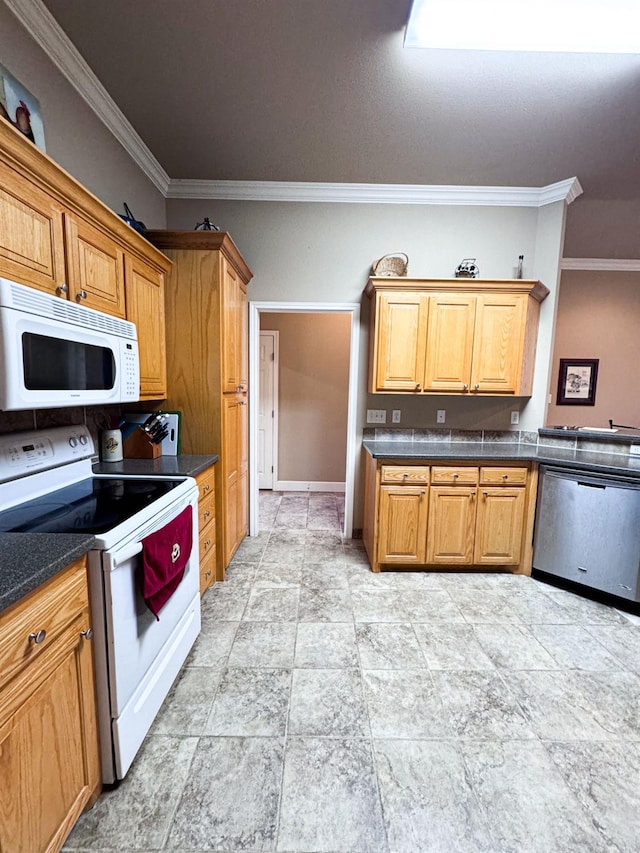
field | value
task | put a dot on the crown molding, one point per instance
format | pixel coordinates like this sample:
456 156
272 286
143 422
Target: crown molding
45 30
375 193
605 264
48 34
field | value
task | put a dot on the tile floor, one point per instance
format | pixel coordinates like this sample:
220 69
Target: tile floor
325 708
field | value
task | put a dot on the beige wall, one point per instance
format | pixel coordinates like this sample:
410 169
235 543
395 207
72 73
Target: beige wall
313 391
317 252
74 136
598 317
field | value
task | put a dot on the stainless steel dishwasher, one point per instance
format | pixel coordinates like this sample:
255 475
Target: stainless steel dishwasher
587 530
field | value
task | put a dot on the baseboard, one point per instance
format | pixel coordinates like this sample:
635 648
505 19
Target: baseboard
304 486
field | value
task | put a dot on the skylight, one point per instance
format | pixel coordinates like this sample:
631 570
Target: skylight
575 26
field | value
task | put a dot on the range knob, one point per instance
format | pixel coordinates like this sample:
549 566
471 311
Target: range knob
83 439
73 441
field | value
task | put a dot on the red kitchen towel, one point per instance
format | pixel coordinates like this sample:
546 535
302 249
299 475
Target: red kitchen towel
165 554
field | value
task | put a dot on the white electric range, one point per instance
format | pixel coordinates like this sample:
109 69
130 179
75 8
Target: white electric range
47 486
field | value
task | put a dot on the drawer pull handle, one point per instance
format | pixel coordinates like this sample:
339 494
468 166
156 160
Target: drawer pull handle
88 634
207 543
206 514
38 636
206 488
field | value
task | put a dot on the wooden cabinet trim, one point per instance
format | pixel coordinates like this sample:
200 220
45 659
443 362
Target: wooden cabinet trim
533 287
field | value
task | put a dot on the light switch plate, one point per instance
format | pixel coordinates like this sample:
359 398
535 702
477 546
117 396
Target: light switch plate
376 416
441 416
395 416
634 450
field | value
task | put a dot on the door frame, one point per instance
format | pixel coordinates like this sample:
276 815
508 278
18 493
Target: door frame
257 308
274 427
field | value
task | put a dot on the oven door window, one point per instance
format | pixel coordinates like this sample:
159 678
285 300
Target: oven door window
55 364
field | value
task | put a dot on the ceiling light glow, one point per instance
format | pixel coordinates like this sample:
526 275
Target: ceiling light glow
573 26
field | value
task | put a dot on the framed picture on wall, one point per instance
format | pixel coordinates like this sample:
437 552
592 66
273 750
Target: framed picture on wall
20 108
577 382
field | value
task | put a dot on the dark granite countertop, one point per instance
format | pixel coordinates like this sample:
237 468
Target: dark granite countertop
27 560
498 451
185 465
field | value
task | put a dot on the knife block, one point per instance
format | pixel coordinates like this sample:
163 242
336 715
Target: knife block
137 446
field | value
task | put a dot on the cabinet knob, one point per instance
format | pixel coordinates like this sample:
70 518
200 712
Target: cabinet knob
207 543
476 387
62 289
505 476
206 488
473 494
485 494
206 514
455 476
417 386
88 634
422 492
80 295
465 387
38 636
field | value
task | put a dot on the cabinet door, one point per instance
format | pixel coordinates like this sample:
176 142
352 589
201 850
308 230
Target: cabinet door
498 343
402 524
48 745
95 267
243 337
499 526
231 475
399 347
231 344
449 342
452 515
145 308
31 235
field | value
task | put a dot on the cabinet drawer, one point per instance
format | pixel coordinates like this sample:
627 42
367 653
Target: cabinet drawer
410 475
207 571
503 476
207 541
48 609
206 481
206 511
454 475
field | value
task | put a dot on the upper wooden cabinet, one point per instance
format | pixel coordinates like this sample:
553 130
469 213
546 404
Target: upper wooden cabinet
95 267
434 336
144 287
57 237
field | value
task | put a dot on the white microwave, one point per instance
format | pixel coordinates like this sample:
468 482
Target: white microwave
56 354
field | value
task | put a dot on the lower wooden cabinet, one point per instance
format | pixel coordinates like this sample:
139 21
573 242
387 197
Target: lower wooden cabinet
461 516
207 527
49 759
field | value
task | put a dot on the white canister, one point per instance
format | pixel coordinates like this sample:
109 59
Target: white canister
111 445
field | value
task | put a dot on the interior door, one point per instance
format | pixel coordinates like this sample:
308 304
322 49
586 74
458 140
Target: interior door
266 410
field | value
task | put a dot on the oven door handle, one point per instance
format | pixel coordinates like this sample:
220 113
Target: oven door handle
126 554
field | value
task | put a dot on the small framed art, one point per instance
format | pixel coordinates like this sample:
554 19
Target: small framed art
20 108
577 382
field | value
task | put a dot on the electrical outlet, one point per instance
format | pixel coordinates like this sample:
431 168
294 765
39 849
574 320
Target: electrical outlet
376 416
634 450
441 416
515 418
395 416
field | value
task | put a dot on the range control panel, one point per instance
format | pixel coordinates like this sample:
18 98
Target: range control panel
26 452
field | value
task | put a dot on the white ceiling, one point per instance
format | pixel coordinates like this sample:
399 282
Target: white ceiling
322 90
